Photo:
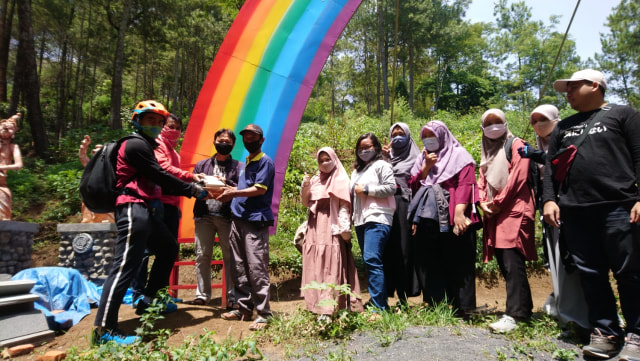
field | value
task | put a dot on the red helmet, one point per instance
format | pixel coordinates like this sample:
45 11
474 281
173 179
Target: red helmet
150 106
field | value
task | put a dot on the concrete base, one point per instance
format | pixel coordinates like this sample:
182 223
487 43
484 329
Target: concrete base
16 241
88 248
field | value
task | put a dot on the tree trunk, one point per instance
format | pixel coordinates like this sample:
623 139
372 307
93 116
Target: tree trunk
176 76
411 69
43 45
62 83
6 22
118 65
379 59
27 53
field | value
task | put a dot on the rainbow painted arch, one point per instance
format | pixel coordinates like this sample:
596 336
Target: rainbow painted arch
263 73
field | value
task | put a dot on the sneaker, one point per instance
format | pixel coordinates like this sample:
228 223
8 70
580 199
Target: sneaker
142 307
505 324
602 346
136 300
101 336
631 350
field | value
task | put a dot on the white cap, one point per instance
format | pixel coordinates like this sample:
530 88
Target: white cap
560 85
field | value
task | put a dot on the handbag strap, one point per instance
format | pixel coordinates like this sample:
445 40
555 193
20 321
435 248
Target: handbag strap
597 116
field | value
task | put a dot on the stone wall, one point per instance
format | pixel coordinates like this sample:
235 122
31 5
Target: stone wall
16 242
89 248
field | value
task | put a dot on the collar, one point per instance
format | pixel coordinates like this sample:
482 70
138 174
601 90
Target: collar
256 158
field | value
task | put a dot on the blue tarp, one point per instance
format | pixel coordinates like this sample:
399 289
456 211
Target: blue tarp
61 289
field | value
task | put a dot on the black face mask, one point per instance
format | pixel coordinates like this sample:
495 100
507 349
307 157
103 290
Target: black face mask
252 147
224 148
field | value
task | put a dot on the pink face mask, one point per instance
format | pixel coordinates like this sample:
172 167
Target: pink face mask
494 131
326 167
171 136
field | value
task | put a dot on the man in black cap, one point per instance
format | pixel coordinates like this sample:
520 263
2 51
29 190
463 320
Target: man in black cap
249 239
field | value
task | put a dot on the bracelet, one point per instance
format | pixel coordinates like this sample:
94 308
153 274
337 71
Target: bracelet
366 190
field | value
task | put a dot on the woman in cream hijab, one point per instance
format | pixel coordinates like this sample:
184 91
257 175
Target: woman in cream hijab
566 302
508 209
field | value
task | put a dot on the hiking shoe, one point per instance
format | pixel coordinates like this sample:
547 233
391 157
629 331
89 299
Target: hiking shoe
631 350
602 346
505 324
101 336
142 306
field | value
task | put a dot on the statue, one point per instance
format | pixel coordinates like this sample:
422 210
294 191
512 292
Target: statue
10 159
87 215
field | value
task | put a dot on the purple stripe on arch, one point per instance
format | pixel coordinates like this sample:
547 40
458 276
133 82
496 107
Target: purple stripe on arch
297 109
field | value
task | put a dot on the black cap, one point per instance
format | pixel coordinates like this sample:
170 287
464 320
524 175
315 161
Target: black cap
255 128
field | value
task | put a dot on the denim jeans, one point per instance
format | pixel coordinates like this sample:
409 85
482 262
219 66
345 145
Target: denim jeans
600 239
372 238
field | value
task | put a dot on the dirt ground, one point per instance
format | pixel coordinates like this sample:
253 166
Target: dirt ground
285 298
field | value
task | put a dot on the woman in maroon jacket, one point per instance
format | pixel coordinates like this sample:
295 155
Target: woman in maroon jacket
444 219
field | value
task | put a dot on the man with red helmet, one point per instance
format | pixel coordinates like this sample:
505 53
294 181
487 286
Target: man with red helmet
143 181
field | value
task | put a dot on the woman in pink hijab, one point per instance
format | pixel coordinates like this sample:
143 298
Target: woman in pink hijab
507 202
444 219
326 252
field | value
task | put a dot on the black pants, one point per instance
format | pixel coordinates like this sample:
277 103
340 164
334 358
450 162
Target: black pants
400 274
601 239
514 270
445 264
136 231
172 221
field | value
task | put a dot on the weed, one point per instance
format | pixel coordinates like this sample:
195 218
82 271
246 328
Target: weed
565 355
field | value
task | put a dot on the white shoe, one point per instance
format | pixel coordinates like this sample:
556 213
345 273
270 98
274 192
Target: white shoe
505 324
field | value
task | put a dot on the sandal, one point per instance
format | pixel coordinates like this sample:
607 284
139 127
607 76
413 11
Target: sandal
197 302
234 315
260 323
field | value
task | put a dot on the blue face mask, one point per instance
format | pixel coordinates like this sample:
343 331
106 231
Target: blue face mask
399 142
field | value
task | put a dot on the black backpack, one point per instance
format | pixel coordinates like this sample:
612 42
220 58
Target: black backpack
98 183
533 180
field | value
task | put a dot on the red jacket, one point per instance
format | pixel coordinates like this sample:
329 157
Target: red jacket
169 160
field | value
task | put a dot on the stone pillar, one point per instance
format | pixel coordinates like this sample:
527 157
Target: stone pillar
89 248
16 242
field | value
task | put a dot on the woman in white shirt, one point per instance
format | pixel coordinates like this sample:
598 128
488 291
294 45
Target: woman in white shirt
372 188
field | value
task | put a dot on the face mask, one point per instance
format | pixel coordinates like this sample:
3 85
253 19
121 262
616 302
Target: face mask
399 142
150 131
494 131
366 155
171 136
543 129
252 147
223 148
326 167
431 144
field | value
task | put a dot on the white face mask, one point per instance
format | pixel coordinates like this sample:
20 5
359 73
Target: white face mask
494 131
326 167
431 144
544 128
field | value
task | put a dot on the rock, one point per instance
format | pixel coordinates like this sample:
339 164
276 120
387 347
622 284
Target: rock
19 350
52 356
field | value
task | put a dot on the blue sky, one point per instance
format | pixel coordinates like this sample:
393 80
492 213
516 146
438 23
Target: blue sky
585 29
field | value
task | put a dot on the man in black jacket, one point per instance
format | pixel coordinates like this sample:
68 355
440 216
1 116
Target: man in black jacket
599 204
143 182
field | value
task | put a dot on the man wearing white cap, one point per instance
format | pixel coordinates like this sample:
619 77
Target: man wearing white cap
599 204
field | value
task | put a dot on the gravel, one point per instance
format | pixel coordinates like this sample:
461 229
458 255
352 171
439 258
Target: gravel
439 344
